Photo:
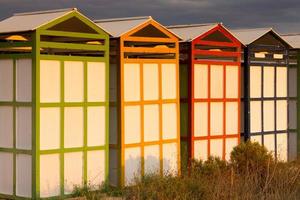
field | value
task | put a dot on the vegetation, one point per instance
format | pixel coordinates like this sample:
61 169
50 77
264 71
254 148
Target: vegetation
251 173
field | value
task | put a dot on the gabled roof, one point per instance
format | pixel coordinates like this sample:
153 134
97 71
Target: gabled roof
248 36
30 21
292 39
117 27
190 32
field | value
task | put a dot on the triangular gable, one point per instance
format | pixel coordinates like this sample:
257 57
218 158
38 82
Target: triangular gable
217 36
150 31
271 38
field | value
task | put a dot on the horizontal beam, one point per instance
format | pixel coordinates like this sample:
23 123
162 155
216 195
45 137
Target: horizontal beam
61 45
73 58
72 34
148 39
213 43
217 53
149 50
15 44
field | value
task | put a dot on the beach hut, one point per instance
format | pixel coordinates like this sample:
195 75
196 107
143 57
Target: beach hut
144 99
265 91
210 59
53 104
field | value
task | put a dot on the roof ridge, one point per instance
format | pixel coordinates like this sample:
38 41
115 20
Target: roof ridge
44 12
191 25
122 19
289 34
248 29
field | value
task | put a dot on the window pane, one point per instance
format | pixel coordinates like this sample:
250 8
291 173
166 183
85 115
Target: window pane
24 129
132 121
73 128
73 81
150 77
216 118
6 80
23 85
232 81
281 81
151 156
6 171
96 167
170 159
73 171
200 149
6 124
232 118
281 115
23 175
96 127
151 123
255 82
169 81
216 148
269 124
169 121
255 116
200 81
201 119
269 81
132 164
96 81
216 81
132 82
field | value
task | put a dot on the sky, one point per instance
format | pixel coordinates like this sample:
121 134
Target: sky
282 15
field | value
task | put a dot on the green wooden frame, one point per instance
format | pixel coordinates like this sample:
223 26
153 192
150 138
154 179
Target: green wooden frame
36 57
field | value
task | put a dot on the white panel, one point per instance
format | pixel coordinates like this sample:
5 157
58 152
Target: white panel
96 126
49 128
96 81
281 81
269 124
216 118
49 81
200 119
150 79
269 142
24 128
230 144
132 82
23 175
216 81
49 175
96 167
24 80
200 81
256 138
200 149
73 127
113 167
6 80
232 81
169 81
269 81
216 148
74 81
282 147
255 82
132 164
255 116
281 115
259 55
6 171
132 121
113 125
169 121
170 159
151 159
278 56
6 124
73 171
232 118
151 122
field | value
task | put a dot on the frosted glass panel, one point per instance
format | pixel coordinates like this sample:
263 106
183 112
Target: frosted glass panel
132 123
216 118
216 81
281 81
281 115
73 81
200 119
200 81
232 118
96 126
269 142
151 122
49 128
269 81
200 149
232 81
150 78
170 160
23 175
24 129
73 171
96 81
282 147
49 175
216 148
95 167
6 80
269 115
6 171
255 116
24 73
169 121
73 128
49 81
169 81
132 164
230 144
132 82
256 138
255 82
151 159
6 124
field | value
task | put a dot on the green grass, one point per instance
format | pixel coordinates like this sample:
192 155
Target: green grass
251 173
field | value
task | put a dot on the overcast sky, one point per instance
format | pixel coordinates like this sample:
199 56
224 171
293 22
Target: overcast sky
283 15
